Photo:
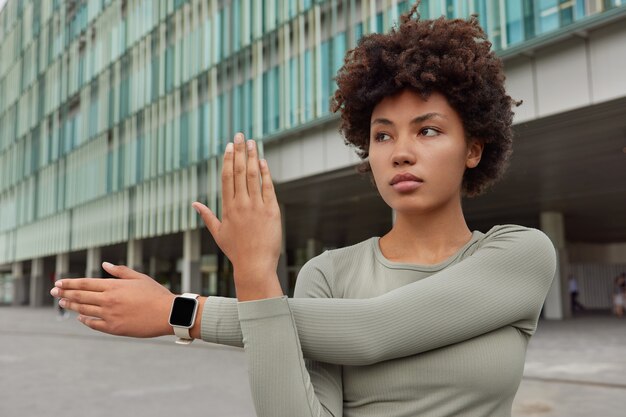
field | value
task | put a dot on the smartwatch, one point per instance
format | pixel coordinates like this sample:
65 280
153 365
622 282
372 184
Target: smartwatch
183 316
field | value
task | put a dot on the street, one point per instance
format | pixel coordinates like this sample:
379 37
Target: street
53 367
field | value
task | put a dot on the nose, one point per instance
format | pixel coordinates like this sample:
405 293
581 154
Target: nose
403 153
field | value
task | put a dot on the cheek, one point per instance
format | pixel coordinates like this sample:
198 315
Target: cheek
375 175
447 167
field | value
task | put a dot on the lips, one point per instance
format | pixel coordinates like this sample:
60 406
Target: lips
405 177
406 183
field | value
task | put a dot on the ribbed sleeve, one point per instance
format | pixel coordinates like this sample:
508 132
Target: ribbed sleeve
220 322
275 362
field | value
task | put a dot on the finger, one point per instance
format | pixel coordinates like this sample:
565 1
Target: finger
210 220
252 175
228 184
85 284
269 194
122 271
239 167
82 297
84 309
94 323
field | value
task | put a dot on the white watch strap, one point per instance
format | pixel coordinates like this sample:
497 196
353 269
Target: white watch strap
184 338
182 332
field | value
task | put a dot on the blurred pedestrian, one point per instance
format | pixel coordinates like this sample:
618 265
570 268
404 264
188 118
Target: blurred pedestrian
63 313
619 294
573 293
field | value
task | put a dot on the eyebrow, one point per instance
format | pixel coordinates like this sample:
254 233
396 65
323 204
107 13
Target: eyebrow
417 120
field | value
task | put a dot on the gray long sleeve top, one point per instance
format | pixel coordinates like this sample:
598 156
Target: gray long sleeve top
388 339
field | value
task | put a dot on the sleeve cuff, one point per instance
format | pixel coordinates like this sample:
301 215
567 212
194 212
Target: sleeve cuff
260 309
219 321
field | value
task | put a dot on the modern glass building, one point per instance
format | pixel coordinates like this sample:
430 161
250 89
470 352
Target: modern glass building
114 114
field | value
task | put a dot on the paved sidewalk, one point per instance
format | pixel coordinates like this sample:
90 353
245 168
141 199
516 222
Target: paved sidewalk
55 368
575 368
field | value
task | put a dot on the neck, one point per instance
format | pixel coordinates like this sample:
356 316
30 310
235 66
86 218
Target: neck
426 238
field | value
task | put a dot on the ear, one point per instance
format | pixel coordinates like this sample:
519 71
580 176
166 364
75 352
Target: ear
474 152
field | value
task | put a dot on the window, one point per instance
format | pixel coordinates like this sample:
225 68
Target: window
514 22
309 89
184 139
358 31
203 134
271 115
237 109
247 108
169 69
339 51
125 87
121 158
326 88
109 168
547 14
294 86
237 23
140 152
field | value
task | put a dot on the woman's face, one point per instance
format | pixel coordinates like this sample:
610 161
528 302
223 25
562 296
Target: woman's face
418 152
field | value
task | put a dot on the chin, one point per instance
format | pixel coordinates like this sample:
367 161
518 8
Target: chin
410 207
416 205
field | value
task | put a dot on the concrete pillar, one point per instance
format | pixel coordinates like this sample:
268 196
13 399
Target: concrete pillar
312 248
62 266
556 306
38 285
190 281
152 266
282 271
61 269
134 255
94 263
20 294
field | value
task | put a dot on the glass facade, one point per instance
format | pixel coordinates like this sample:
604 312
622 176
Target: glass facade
113 113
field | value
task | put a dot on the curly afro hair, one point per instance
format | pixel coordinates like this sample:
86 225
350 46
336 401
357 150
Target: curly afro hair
451 57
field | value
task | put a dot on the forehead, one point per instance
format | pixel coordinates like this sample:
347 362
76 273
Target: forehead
408 103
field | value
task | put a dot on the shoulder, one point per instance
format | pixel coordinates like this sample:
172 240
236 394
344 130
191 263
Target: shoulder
516 237
317 276
518 247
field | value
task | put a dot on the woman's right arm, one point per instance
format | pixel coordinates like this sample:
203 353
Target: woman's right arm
276 366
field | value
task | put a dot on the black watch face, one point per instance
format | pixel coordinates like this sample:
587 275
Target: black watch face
182 311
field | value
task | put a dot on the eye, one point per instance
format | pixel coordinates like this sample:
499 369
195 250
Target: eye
429 132
381 137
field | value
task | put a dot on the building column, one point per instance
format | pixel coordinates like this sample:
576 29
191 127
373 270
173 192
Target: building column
134 255
19 284
62 268
312 248
37 283
152 266
190 281
556 306
94 263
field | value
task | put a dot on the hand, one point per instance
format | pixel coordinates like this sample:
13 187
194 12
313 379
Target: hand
134 305
250 232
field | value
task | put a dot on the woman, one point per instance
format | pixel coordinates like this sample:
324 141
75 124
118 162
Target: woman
431 319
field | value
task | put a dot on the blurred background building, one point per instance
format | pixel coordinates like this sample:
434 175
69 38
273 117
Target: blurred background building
114 115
